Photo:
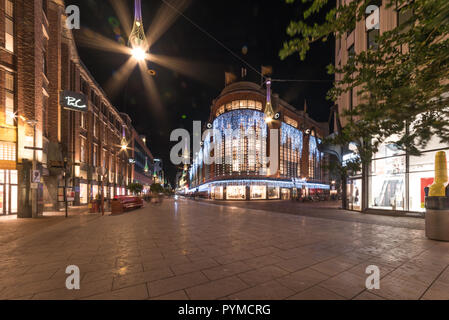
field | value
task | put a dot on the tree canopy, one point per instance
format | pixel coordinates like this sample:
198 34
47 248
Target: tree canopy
402 82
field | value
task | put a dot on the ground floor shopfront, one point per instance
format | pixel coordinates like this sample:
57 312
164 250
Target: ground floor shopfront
8 192
395 181
260 190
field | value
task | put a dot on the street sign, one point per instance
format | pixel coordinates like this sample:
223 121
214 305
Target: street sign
73 101
36 176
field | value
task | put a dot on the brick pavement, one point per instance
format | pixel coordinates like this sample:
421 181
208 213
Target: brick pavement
197 250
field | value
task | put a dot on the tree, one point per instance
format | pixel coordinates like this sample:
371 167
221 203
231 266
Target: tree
156 188
135 188
402 82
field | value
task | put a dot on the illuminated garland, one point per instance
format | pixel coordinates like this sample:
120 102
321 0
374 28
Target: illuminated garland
295 135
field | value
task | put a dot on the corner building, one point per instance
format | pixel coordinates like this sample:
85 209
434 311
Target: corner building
240 107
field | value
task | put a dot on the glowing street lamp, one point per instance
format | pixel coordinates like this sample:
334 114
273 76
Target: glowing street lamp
137 39
269 113
124 142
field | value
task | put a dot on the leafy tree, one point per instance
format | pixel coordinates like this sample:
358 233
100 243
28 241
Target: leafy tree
402 83
135 188
156 188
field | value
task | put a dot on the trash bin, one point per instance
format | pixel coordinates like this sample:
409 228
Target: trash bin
437 218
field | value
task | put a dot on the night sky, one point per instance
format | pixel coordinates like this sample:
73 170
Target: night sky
256 25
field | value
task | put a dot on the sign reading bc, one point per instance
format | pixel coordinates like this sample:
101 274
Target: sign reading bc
73 101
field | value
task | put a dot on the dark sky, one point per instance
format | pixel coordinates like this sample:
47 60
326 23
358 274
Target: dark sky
258 25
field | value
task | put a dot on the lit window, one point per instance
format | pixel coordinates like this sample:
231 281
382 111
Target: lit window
9 25
235 105
243 104
229 107
259 106
83 150
252 104
9 99
8 151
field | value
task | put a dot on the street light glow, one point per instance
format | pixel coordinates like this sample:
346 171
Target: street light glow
138 54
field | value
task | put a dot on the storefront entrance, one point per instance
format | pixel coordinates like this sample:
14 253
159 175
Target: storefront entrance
354 193
8 192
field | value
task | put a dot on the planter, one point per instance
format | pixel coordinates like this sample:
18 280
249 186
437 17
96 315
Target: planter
437 218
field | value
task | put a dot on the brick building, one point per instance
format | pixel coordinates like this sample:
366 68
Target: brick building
39 136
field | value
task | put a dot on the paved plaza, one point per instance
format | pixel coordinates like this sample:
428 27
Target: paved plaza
199 250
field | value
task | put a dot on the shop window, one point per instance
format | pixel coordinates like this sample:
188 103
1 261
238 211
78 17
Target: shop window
258 192
273 193
217 193
236 192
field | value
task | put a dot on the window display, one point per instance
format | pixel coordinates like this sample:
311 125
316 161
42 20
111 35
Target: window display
236 193
273 192
83 193
258 192
218 193
285 194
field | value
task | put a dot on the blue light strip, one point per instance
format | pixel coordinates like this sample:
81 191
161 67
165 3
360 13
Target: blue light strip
269 183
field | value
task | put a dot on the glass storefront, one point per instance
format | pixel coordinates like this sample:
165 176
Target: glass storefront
236 192
217 193
273 192
397 181
8 192
285 193
83 193
258 192
354 193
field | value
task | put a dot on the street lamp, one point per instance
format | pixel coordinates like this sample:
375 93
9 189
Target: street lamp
138 54
269 113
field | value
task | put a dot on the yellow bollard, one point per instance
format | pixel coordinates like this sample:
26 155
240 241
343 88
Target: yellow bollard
438 188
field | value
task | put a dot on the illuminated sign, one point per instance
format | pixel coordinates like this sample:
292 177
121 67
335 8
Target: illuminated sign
73 101
132 161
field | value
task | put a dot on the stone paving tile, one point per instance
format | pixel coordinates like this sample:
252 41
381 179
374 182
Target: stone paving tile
302 280
271 290
194 266
160 287
400 288
227 270
86 289
216 289
141 277
316 293
334 266
177 295
437 291
366 295
296 264
138 292
157 254
261 275
345 284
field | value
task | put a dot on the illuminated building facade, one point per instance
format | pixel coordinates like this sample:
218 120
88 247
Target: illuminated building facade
241 172
58 128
